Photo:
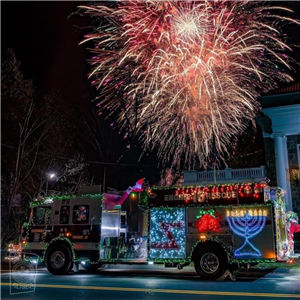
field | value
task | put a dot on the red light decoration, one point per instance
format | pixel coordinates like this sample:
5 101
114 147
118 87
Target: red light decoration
208 222
294 228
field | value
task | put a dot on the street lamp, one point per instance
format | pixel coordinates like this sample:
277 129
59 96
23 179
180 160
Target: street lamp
51 176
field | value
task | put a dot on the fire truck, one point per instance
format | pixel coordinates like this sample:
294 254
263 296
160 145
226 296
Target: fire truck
213 227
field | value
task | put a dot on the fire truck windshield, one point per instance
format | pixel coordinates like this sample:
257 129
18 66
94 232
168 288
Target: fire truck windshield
41 215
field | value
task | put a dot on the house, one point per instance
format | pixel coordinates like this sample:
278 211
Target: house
280 123
281 131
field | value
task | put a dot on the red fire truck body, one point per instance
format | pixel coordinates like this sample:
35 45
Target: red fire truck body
213 226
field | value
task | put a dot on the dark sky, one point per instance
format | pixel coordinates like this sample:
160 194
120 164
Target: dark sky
46 43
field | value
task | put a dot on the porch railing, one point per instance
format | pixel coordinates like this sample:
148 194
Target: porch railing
225 175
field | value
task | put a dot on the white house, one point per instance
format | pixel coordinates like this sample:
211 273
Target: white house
281 132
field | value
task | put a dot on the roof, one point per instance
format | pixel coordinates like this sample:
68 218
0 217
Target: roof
288 94
292 87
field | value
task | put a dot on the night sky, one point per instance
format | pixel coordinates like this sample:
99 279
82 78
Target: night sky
46 44
45 38
46 41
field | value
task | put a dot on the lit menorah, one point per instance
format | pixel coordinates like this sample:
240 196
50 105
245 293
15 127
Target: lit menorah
247 227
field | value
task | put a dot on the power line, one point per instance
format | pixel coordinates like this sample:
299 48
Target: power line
87 161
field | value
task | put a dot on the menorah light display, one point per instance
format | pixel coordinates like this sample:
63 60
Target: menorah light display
247 227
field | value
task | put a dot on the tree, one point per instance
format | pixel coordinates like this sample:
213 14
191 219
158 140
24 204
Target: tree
18 105
171 177
100 136
38 134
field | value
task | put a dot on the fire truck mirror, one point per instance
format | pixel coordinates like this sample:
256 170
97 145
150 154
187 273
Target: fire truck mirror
64 214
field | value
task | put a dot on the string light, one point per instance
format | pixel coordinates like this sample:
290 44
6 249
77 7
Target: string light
212 194
167 233
208 220
61 197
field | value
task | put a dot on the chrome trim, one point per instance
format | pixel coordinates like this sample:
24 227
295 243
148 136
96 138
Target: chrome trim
209 263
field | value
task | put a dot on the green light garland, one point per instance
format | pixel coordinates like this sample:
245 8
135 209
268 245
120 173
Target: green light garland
290 215
143 202
215 206
62 197
75 259
210 239
275 265
205 212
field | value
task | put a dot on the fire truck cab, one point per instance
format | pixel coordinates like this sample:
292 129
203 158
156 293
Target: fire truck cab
213 227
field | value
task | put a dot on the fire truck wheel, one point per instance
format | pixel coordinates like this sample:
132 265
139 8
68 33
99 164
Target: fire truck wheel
210 263
59 260
92 268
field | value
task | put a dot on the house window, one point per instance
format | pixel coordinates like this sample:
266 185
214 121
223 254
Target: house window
64 214
81 214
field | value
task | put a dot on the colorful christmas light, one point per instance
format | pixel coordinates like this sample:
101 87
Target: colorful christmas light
208 220
167 233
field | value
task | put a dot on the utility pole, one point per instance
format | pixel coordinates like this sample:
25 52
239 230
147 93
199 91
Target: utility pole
104 175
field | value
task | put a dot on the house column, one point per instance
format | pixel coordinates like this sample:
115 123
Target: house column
287 171
281 169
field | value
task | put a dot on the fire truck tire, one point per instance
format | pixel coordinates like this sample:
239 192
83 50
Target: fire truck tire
59 260
92 268
210 263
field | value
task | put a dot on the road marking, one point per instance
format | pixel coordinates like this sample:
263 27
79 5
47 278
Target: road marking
120 289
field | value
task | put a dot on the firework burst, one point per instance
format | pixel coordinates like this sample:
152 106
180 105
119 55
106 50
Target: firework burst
184 75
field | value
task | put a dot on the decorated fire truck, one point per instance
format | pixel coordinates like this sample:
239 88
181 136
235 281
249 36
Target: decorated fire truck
213 227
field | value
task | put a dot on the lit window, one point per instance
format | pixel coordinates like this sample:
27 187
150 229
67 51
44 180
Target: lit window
81 214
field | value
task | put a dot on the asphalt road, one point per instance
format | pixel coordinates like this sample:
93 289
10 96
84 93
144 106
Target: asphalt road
146 282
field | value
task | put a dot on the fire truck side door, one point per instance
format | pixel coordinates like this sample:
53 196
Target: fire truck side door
110 232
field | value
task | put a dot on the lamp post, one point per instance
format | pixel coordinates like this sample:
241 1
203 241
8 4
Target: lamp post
51 176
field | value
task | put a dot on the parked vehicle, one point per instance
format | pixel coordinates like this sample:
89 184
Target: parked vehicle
212 226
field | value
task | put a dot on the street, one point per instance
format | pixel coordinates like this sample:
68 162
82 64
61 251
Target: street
150 282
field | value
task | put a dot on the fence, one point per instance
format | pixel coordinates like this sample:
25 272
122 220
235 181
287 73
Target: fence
225 175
